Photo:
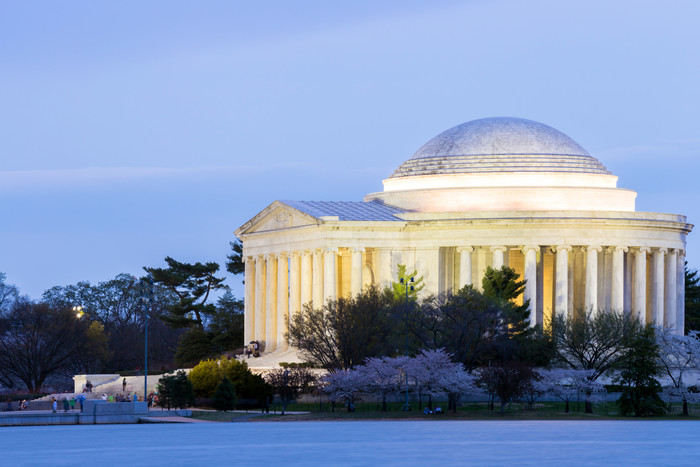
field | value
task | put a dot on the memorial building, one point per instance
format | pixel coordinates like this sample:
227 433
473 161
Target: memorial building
489 192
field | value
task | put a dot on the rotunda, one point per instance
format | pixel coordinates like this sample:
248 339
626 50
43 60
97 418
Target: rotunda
489 192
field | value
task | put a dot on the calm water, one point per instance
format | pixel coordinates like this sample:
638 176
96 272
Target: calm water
358 443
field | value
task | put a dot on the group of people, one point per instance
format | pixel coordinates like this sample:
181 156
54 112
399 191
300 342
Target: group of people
428 411
88 387
252 349
21 405
122 397
68 404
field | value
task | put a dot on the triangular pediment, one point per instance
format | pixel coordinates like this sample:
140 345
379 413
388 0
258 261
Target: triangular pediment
277 216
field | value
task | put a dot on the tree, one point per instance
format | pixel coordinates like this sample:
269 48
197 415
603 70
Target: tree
639 369
566 384
226 323
343 385
692 299
38 340
399 288
503 285
593 341
116 304
678 356
507 380
383 376
175 390
290 383
192 284
225 396
434 372
235 264
8 294
467 324
345 331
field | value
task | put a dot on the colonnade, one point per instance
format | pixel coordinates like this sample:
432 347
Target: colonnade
560 279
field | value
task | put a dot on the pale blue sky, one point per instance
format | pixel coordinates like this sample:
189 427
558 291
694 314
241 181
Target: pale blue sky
134 130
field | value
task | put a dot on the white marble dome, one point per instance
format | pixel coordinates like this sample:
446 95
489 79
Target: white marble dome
500 144
503 164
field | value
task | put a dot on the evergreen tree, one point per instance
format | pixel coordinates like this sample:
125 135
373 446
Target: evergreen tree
399 288
235 264
692 299
503 285
638 372
192 284
225 396
175 390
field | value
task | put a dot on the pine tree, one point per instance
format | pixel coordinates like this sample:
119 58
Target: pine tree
639 369
225 396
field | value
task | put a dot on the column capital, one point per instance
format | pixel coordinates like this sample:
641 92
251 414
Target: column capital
526 248
498 248
357 249
330 250
565 248
468 249
643 249
617 248
591 248
661 250
672 251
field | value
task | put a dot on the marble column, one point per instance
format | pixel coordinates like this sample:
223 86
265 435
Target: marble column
465 265
670 292
307 279
680 293
591 296
639 293
282 300
271 303
480 268
658 285
329 259
295 281
384 267
617 292
530 292
561 281
259 298
249 301
498 256
318 279
356 271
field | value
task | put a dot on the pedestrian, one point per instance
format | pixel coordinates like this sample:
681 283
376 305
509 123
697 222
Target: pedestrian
72 404
81 398
66 405
136 399
124 385
54 404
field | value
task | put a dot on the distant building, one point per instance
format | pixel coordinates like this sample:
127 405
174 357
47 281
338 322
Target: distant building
490 192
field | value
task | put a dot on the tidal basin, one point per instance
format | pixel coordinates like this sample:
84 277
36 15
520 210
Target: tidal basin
358 443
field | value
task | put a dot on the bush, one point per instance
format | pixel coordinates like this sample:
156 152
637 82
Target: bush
225 397
208 374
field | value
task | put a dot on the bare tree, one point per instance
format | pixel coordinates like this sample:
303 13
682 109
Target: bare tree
290 383
38 341
593 341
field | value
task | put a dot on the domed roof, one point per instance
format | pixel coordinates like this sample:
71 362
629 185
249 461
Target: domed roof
500 144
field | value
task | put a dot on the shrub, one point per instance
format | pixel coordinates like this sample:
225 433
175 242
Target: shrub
205 377
175 391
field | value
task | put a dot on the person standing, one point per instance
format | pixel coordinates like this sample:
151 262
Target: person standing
66 405
124 385
54 404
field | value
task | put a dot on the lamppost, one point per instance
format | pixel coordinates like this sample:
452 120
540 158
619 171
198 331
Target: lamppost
145 289
407 284
78 310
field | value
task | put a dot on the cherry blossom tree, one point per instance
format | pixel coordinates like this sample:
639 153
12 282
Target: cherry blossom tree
383 376
677 356
435 373
343 385
567 384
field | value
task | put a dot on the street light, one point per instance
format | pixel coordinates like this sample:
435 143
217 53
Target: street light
78 310
145 289
407 284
